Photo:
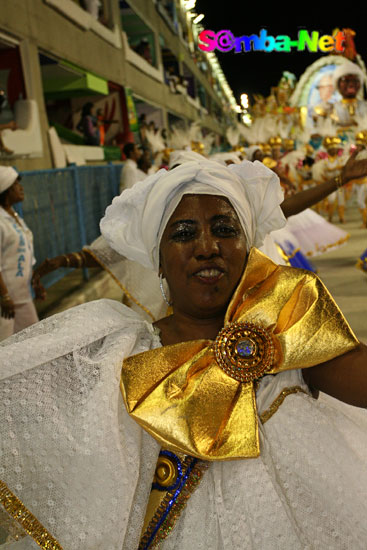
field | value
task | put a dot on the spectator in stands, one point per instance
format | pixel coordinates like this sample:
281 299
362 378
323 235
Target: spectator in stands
16 259
172 79
129 173
164 136
88 125
93 7
145 167
11 125
152 127
143 49
143 126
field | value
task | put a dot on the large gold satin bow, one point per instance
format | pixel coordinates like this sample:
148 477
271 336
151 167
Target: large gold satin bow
190 396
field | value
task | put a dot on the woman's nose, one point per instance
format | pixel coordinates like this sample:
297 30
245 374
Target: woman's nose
206 245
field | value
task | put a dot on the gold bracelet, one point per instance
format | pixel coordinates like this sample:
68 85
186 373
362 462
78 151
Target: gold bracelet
5 298
67 260
78 258
84 258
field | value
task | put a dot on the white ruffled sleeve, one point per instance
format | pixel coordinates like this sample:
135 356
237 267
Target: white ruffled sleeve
69 451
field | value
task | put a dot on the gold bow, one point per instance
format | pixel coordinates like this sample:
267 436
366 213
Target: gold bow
198 397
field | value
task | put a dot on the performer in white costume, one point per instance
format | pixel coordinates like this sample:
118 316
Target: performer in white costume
328 168
348 80
17 310
76 465
129 173
360 185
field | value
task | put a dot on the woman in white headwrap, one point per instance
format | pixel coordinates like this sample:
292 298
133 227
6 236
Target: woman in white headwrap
16 259
82 440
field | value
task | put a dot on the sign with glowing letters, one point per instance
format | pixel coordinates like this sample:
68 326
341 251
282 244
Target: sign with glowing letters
225 41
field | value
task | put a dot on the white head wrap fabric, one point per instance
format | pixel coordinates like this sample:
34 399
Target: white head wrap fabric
7 177
347 68
134 223
223 157
180 156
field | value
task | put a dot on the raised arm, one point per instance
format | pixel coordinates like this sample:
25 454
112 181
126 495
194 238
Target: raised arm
344 377
295 204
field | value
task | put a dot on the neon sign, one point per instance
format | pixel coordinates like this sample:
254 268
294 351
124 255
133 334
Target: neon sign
225 41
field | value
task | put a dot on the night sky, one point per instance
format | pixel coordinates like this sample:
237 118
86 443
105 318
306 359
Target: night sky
256 72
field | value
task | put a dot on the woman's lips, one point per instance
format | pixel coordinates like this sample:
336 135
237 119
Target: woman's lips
351 90
209 276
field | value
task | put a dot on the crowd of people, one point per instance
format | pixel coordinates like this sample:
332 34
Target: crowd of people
221 405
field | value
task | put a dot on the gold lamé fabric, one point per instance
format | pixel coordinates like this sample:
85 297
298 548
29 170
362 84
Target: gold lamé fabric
181 396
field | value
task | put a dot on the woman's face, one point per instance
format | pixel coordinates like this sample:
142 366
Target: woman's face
203 255
15 193
349 85
258 155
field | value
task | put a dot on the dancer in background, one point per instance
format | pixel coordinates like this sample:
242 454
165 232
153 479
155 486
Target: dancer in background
362 261
328 168
129 173
16 259
360 185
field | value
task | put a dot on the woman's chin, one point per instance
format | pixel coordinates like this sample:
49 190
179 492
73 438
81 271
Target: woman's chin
205 307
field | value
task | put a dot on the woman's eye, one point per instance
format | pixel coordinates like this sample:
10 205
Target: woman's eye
183 235
225 230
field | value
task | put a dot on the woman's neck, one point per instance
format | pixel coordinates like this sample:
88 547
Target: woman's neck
181 327
8 208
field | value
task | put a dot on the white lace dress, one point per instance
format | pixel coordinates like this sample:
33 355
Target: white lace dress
139 284
78 462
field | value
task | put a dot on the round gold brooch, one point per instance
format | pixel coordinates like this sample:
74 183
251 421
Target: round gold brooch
244 351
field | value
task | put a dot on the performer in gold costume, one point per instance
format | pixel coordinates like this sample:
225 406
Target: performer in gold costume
330 167
360 185
214 404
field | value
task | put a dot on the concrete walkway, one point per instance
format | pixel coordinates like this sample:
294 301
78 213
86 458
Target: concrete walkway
347 284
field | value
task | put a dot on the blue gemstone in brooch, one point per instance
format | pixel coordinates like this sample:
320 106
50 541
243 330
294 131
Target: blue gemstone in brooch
245 347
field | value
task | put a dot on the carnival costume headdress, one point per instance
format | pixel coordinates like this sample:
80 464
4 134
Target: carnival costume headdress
348 68
361 138
332 142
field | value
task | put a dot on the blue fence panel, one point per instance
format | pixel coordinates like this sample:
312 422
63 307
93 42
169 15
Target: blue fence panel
96 193
63 208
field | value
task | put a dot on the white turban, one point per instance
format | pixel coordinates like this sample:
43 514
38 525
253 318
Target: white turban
223 157
134 223
180 156
7 177
347 68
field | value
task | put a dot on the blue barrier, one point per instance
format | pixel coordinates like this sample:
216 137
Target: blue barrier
63 207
